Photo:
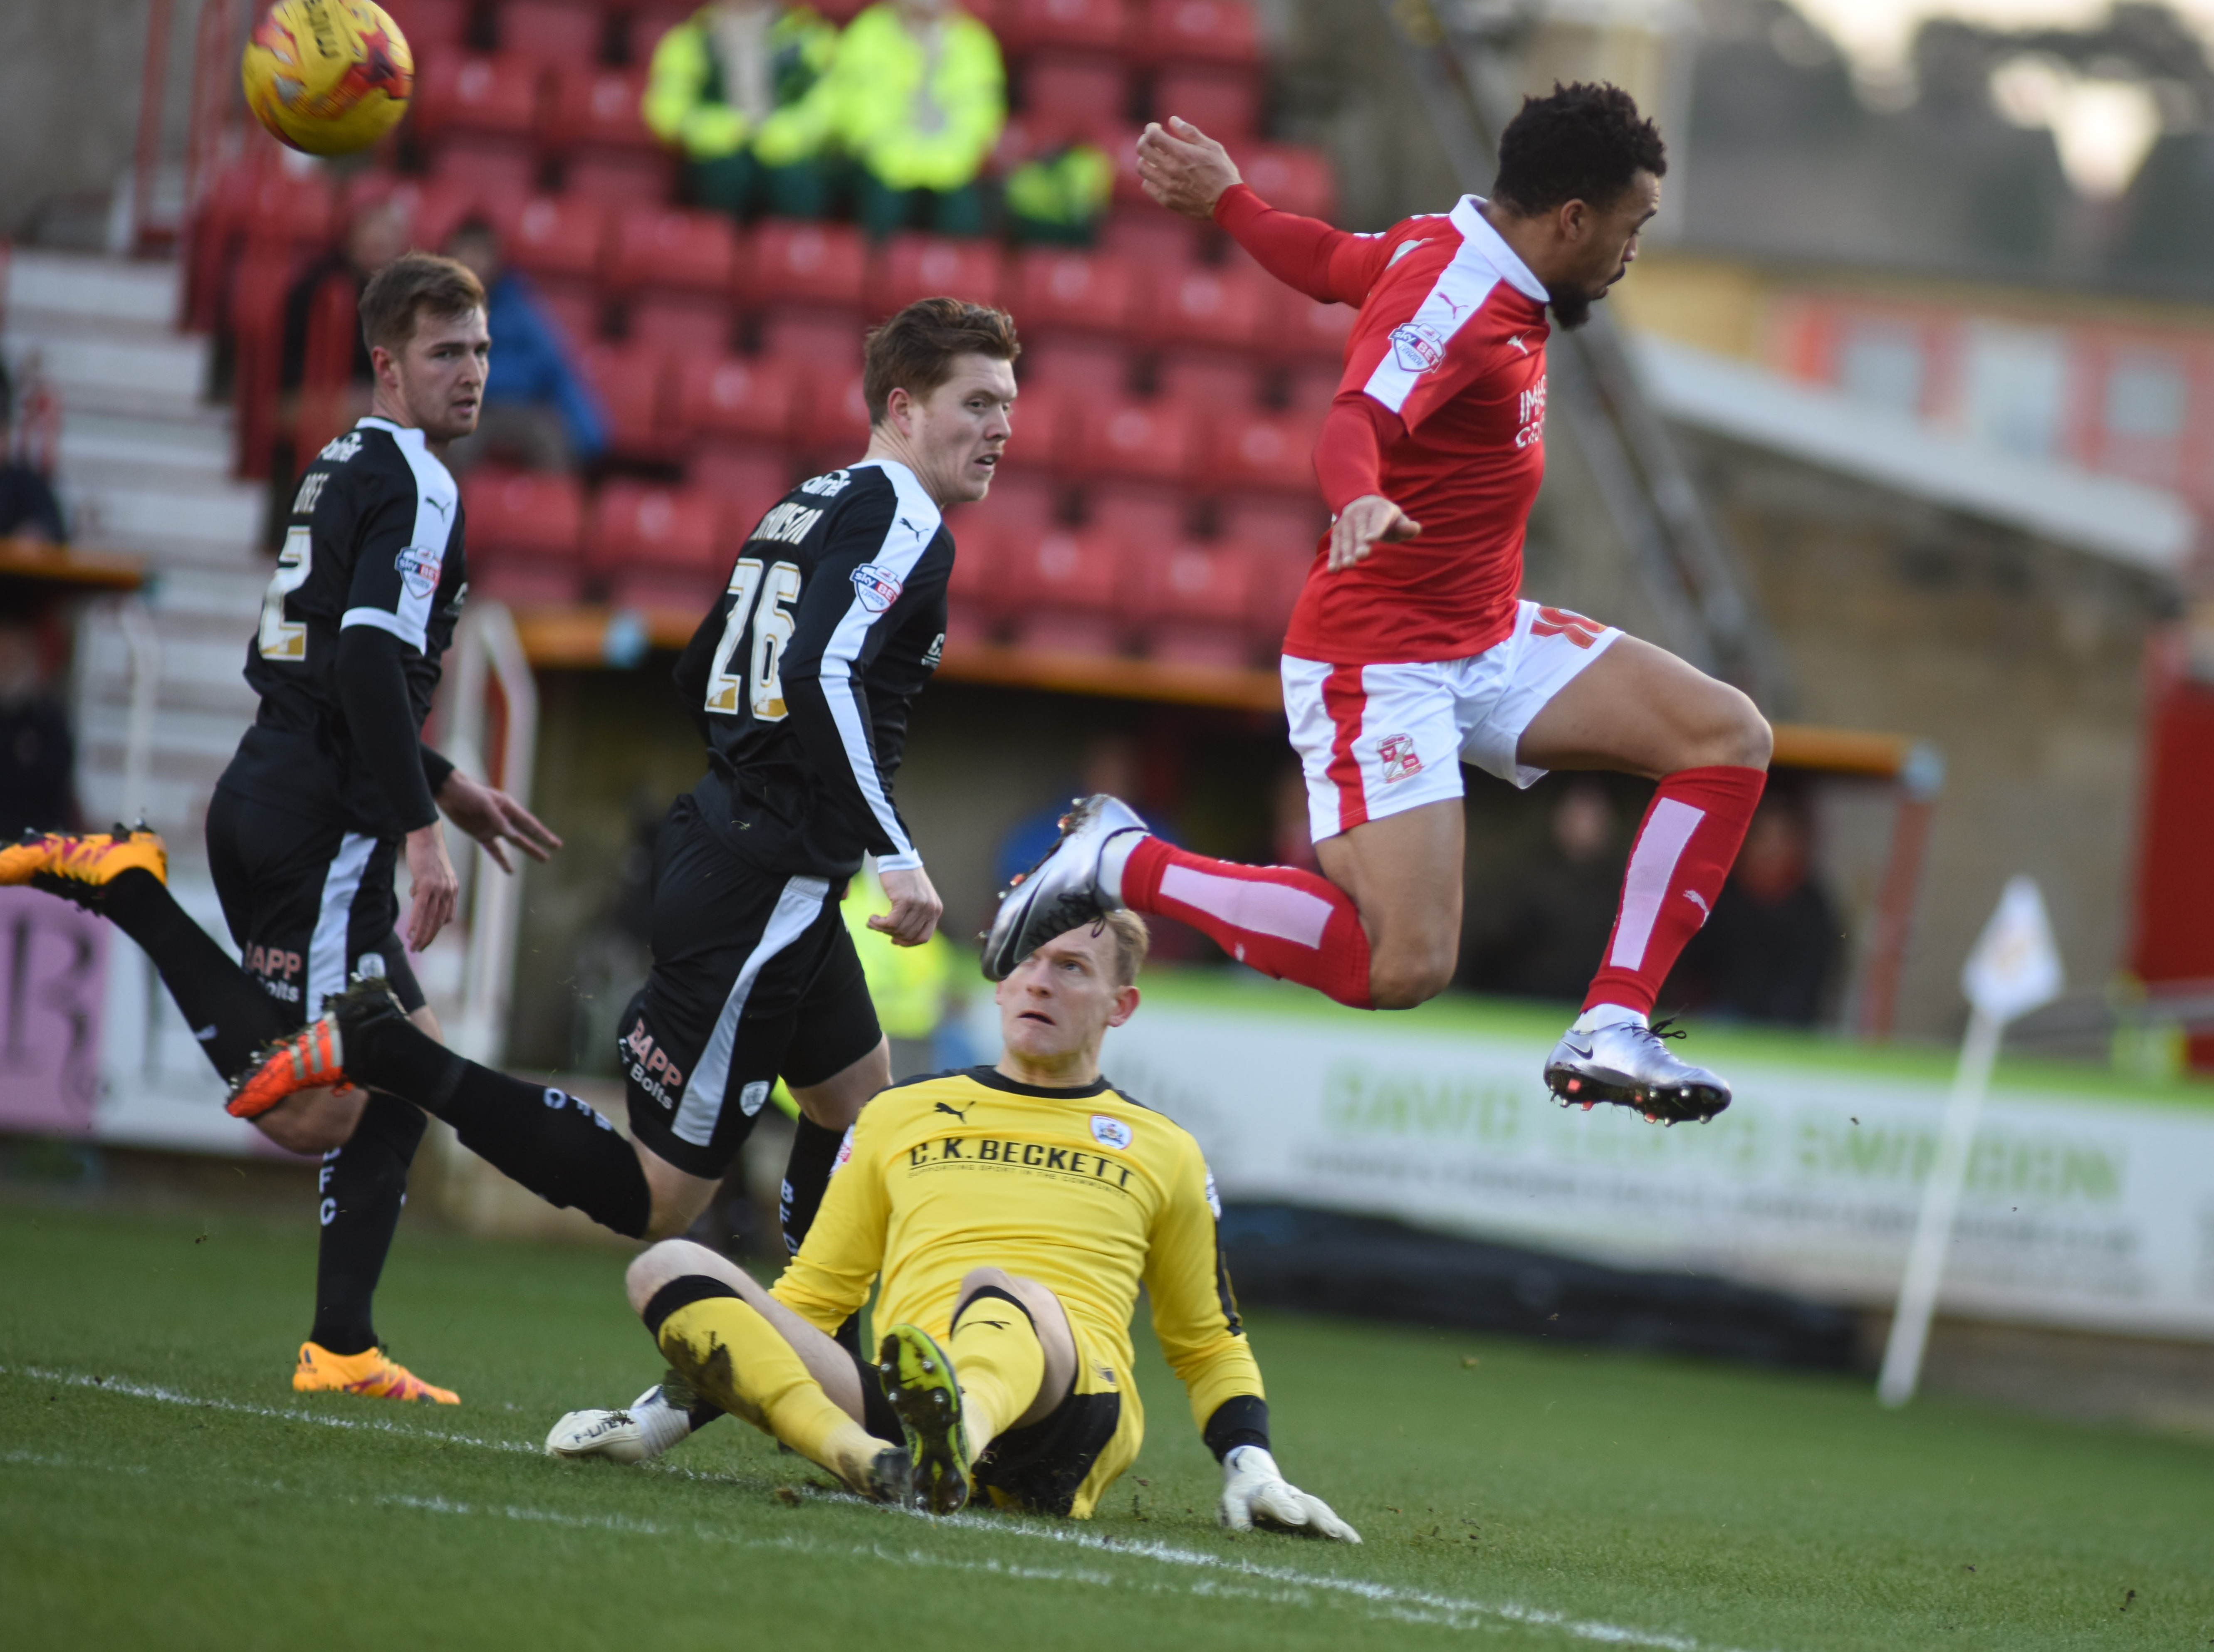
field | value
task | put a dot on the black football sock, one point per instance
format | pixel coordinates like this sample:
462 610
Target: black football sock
806 1175
547 1139
228 1013
363 1184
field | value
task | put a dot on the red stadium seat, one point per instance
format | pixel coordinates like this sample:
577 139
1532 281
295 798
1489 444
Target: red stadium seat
1027 503
1210 30
1149 238
820 263
1288 176
1275 525
833 420
255 320
1217 308
658 547
1057 291
735 396
1225 384
1295 326
1076 367
813 340
1141 440
1069 94
682 324
976 594
619 176
470 93
666 249
652 20
594 123
631 384
1192 602
746 482
576 314
1261 454
1138 514
1041 422
434 28
1060 590
1223 102
557 236
1026 25
913 266
1310 386
552 31
502 168
526 535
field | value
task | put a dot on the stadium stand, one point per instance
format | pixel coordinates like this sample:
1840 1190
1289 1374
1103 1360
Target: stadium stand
1160 495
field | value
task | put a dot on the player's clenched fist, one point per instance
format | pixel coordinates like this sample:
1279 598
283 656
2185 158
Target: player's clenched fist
1184 169
915 907
1255 1491
1369 520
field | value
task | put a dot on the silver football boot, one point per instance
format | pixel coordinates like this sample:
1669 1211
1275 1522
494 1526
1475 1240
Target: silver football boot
1630 1065
649 1426
1063 890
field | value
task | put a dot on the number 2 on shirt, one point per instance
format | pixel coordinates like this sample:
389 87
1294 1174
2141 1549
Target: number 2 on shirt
282 639
760 596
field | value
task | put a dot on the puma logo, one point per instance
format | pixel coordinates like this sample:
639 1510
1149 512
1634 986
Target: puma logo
962 1113
1517 342
1699 901
996 1325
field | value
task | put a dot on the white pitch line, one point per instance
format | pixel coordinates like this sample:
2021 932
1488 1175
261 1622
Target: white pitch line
1404 1605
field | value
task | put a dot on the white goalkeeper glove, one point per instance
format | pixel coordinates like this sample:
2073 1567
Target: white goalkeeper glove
1255 1490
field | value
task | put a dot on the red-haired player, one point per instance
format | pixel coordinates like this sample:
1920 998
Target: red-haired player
1409 652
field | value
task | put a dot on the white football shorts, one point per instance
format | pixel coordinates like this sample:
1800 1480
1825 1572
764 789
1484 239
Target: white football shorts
1377 739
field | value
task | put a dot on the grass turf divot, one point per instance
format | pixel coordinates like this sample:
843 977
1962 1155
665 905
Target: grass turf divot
159 1482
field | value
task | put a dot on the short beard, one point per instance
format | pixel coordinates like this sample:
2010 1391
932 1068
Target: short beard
1571 308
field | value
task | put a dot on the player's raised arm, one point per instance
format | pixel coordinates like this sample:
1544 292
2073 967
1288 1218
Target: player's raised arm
1184 170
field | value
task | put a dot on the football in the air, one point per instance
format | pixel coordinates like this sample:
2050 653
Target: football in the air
328 76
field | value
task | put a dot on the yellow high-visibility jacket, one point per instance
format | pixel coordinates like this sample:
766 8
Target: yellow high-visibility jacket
908 984
686 104
917 119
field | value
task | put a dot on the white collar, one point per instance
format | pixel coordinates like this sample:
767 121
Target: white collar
1475 226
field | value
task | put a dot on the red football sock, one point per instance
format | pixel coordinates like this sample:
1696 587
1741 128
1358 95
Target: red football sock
1290 925
1686 846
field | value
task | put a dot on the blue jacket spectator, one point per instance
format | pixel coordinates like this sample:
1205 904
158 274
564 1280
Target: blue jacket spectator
538 411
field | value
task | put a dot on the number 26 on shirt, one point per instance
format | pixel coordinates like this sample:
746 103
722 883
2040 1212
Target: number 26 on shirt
759 598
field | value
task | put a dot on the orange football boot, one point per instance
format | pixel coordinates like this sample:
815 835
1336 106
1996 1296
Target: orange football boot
374 1376
304 1060
79 866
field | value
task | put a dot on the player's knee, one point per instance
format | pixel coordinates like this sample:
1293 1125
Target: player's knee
1404 977
1735 734
656 1265
306 1123
978 1279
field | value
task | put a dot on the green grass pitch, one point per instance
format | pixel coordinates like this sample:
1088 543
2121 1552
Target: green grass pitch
161 1486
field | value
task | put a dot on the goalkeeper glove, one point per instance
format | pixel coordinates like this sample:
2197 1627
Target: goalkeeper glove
1255 1491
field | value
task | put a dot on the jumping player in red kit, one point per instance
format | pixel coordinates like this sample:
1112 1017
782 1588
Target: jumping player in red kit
1409 652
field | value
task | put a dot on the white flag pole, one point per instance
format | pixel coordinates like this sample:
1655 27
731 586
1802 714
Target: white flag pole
2015 967
1941 1201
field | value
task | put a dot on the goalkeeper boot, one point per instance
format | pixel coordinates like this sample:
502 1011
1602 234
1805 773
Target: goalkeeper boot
79 866
919 1381
1629 1065
1063 890
315 1055
640 1432
373 1375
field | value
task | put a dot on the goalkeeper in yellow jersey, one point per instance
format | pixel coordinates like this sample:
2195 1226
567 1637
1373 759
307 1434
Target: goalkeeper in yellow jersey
1011 1212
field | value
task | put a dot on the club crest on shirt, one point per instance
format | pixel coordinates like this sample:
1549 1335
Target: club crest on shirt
1401 760
879 588
1111 1132
418 566
1417 347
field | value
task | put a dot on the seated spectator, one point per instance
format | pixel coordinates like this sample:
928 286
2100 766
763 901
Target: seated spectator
28 509
1767 953
1545 940
374 240
38 760
538 411
737 86
919 97
1058 197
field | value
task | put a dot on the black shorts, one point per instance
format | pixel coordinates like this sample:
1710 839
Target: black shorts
755 977
309 905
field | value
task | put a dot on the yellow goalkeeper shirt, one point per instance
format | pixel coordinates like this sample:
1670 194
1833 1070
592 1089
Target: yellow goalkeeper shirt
1082 1189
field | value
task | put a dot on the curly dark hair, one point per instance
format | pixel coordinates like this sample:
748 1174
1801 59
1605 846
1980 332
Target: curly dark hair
1579 142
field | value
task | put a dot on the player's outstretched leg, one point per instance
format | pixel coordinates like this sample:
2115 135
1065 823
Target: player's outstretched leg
547 1140
123 875
1285 922
731 1354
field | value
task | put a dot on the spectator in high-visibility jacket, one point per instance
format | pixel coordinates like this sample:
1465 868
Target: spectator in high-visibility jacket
912 987
919 96
739 86
1058 197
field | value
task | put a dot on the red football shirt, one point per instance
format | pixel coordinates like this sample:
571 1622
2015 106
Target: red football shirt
1451 342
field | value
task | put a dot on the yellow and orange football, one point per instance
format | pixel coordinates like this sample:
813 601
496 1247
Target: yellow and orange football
328 76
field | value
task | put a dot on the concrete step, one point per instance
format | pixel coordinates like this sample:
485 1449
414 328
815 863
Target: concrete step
199 447
197 523
120 289
84 356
